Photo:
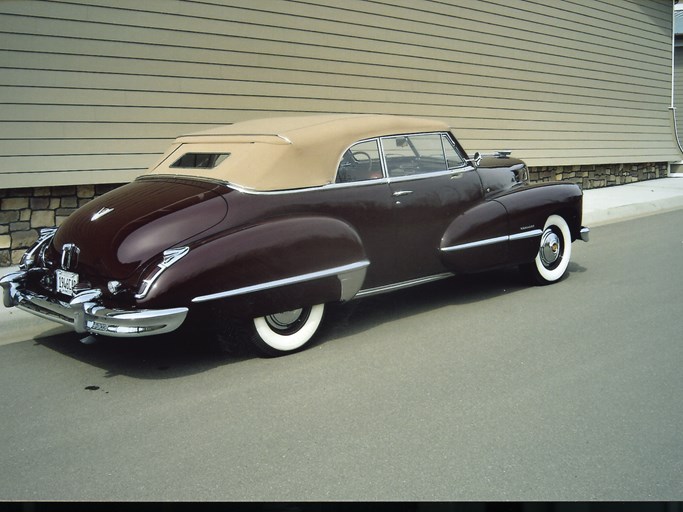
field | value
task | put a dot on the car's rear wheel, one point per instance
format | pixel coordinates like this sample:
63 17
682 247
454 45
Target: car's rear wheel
283 333
554 252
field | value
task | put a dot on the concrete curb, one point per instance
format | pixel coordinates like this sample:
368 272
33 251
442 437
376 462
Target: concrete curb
631 211
615 204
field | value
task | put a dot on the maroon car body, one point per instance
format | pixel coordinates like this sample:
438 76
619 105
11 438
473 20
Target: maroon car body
264 222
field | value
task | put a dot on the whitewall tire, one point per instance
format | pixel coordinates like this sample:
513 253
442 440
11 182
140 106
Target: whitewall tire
283 333
554 252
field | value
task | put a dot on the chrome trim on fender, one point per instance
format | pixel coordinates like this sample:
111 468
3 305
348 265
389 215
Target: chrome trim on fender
101 213
478 243
341 272
38 248
170 256
495 240
351 281
401 285
526 234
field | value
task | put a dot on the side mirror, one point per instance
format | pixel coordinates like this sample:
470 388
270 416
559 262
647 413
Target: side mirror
476 159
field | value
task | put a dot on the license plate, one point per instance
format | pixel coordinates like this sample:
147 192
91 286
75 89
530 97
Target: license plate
66 282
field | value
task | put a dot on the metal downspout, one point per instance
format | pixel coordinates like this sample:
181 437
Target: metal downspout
672 107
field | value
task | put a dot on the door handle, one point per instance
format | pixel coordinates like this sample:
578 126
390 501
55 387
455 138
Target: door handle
400 193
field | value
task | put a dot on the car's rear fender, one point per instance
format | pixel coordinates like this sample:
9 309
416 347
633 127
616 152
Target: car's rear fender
277 265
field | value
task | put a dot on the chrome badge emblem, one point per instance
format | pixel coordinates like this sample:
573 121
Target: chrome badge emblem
70 254
101 213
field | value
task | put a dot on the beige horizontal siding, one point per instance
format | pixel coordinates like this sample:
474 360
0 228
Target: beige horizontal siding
93 91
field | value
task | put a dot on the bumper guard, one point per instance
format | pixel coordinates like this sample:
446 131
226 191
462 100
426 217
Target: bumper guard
585 233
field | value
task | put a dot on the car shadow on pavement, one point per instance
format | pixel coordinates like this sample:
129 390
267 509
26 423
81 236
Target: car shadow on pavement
360 315
363 314
190 351
155 357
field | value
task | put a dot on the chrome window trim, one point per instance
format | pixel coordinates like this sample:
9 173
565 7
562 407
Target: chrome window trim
380 143
463 161
385 179
466 167
330 272
371 180
363 183
419 134
327 186
420 176
463 167
494 240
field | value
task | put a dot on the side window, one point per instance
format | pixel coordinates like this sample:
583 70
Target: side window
200 160
360 162
453 158
414 154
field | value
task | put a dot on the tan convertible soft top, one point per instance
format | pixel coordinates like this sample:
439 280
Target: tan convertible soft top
284 152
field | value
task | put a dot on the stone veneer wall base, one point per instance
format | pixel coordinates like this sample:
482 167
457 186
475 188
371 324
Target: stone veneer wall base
598 176
25 211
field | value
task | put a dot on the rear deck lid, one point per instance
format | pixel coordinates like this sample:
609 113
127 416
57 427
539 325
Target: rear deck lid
121 231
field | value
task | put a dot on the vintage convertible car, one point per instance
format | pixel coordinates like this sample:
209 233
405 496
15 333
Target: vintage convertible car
262 223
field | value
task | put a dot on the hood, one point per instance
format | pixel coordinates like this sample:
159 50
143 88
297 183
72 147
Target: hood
121 231
494 162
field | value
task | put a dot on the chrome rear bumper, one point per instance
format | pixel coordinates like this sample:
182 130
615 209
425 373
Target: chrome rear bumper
84 313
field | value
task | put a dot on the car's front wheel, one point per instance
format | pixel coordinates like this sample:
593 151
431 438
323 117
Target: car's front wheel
554 252
283 333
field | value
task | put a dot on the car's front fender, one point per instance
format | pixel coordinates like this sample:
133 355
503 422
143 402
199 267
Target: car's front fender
529 207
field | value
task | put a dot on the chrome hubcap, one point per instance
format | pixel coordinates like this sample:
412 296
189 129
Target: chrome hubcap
285 319
550 248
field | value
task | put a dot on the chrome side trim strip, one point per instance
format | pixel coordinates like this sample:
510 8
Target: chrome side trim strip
496 240
478 243
284 282
404 284
526 234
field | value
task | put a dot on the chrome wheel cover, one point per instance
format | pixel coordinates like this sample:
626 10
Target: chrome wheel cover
550 251
288 322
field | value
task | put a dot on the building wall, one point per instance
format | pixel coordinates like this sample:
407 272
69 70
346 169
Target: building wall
91 92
